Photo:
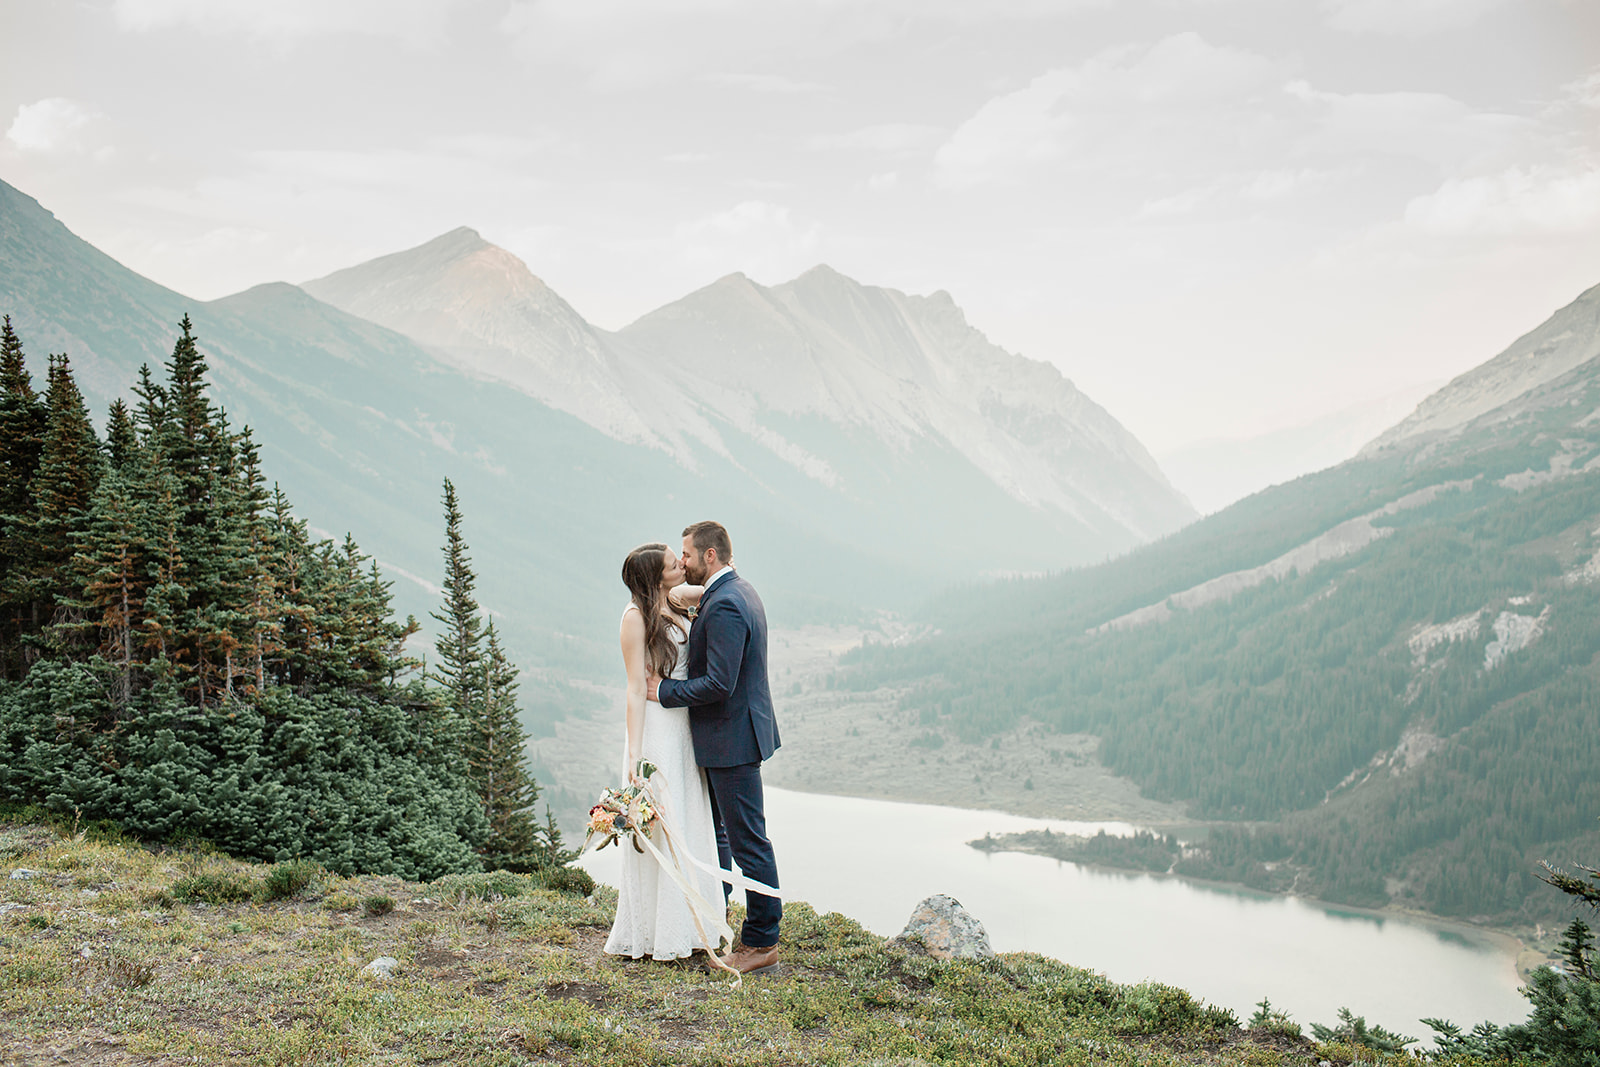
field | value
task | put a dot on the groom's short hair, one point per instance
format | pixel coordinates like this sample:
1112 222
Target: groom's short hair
710 535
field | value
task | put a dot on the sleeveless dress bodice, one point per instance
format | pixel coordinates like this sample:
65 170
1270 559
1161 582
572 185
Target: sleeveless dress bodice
653 916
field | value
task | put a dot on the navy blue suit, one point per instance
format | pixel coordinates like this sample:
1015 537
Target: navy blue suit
731 721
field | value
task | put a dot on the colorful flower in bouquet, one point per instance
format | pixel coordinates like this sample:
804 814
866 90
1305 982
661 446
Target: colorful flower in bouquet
623 812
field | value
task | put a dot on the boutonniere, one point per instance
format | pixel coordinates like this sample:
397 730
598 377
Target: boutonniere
694 610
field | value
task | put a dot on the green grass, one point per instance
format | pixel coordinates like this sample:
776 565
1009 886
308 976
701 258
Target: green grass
496 969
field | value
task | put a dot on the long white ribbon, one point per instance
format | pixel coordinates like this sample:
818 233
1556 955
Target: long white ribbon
698 905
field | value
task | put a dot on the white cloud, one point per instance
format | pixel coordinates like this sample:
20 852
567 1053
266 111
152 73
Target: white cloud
1519 201
886 137
625 44
882 183
1124 94
765 83
1586 90
1176 204
53 125
1429 126
1405 17
1277 184
415 21
755 236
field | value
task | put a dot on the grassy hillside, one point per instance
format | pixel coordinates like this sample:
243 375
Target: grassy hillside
111 953
1407 759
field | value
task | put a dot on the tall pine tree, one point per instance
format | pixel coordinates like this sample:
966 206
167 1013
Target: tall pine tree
460 644
69 469
113 567
496 745
22 423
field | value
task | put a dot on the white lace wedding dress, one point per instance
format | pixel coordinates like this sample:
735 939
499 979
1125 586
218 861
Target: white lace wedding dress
653 916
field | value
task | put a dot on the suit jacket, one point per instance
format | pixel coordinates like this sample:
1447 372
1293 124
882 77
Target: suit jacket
729 700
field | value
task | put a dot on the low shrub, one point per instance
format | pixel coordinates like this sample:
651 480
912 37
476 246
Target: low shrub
484 885
1153 1008
284 880
378 905
574 880
223 887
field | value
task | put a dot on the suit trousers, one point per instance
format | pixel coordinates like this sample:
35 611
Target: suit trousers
738 807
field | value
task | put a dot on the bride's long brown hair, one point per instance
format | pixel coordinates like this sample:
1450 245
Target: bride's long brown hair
641 573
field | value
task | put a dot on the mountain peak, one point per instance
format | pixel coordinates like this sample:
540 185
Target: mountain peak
463 240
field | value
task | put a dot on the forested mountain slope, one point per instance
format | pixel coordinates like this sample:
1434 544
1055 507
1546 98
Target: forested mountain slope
1395 660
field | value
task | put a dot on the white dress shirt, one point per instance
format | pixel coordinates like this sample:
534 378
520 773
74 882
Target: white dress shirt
727 568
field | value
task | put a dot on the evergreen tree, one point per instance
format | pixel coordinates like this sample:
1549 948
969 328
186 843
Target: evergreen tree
62 487
460 645
496 741
113 568
22 424
172 580
166 597
264 624
292 562
122 437
151 417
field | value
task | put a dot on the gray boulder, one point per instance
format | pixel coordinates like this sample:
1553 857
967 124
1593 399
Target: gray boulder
382 968
23 872
945 930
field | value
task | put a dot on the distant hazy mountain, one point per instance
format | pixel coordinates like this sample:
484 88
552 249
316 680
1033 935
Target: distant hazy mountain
568 448
1215 473
782 363
839 381
1393 663
1568 339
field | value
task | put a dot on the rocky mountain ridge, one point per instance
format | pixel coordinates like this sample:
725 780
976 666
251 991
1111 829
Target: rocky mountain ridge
1565 341
809 372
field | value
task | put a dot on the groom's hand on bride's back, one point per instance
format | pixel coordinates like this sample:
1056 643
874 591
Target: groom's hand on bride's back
652 684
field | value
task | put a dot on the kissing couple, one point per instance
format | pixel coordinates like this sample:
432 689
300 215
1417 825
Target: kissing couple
694 641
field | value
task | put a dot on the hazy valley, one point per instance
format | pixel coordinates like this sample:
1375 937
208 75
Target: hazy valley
1355 663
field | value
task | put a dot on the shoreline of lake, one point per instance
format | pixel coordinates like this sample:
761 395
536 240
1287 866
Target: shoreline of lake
1509 940
875 860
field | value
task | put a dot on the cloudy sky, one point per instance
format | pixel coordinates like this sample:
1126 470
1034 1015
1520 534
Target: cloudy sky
1218 217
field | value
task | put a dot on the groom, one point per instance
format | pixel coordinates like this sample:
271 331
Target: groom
730 718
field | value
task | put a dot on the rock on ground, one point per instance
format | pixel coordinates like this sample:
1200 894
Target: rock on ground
946 930
381 968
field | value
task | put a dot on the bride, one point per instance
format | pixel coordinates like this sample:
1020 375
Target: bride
653 915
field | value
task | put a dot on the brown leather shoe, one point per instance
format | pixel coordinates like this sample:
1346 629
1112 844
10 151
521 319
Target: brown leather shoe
747 960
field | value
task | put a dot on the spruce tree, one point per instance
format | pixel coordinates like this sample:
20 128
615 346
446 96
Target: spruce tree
460 645
292 562
496 741
264 625
113 569
22 423
122 437
166 598
62 487
151 416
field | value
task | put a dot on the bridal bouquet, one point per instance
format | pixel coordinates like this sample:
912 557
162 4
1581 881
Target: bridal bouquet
623 813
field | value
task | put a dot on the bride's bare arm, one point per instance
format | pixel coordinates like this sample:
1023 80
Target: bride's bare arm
685 596
633 659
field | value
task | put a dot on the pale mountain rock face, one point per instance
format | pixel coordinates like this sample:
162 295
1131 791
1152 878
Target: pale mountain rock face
908 370
1568 339
810 371
480 309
